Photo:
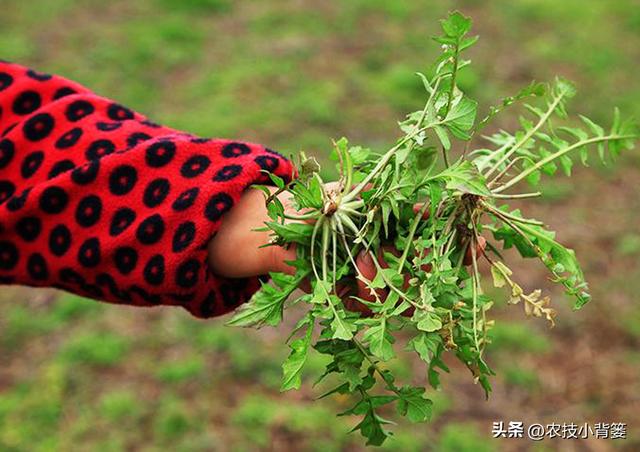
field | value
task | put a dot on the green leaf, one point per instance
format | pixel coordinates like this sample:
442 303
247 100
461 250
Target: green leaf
292 232
499 273
265 307
380 340
292 367
456 25
561 254
342 327
429 322
371 428
461 118
425 345
277 181
464 176
443 137
413 404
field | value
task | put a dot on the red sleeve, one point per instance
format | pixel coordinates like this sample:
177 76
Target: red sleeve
97 200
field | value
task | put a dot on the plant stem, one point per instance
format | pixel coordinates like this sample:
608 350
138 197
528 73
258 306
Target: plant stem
558 154
412 232
475 285
454 73
528 135
516 196
316 227
325 249
502 213
392 287
506 169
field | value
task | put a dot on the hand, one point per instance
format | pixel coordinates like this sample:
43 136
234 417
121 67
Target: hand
234 252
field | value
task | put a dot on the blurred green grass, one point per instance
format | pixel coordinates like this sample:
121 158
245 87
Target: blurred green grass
78 375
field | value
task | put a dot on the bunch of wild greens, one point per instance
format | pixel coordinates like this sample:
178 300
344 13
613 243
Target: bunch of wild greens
432 297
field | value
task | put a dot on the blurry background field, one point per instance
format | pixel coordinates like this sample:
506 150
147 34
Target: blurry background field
78 375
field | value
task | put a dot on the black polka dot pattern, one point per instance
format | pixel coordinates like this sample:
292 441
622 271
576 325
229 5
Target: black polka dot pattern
69 139
108 126
9 129
89 253
29 228
195 166
39 76
79 109
136 138
38 127
227 173
99 149
59 240
122 219
86 174
17 202
60 168
6 80
31 163
154 270
267 163
160 154
69 275
88 211
7 189
156 192
125 259
7 151
122 180
183 237
187 274
9 255
186 199
63 92
27 102
119 113
37 267
233 150
217 206
150 230
53 200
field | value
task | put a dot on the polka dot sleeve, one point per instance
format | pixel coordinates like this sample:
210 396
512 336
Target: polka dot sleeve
97 200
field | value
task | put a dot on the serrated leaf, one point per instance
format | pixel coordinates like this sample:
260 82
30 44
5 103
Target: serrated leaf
413 404
379 340
464 176
461 118
342 328
371 428
292 367
427 321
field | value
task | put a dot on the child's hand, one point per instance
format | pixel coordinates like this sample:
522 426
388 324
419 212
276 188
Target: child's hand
234 252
